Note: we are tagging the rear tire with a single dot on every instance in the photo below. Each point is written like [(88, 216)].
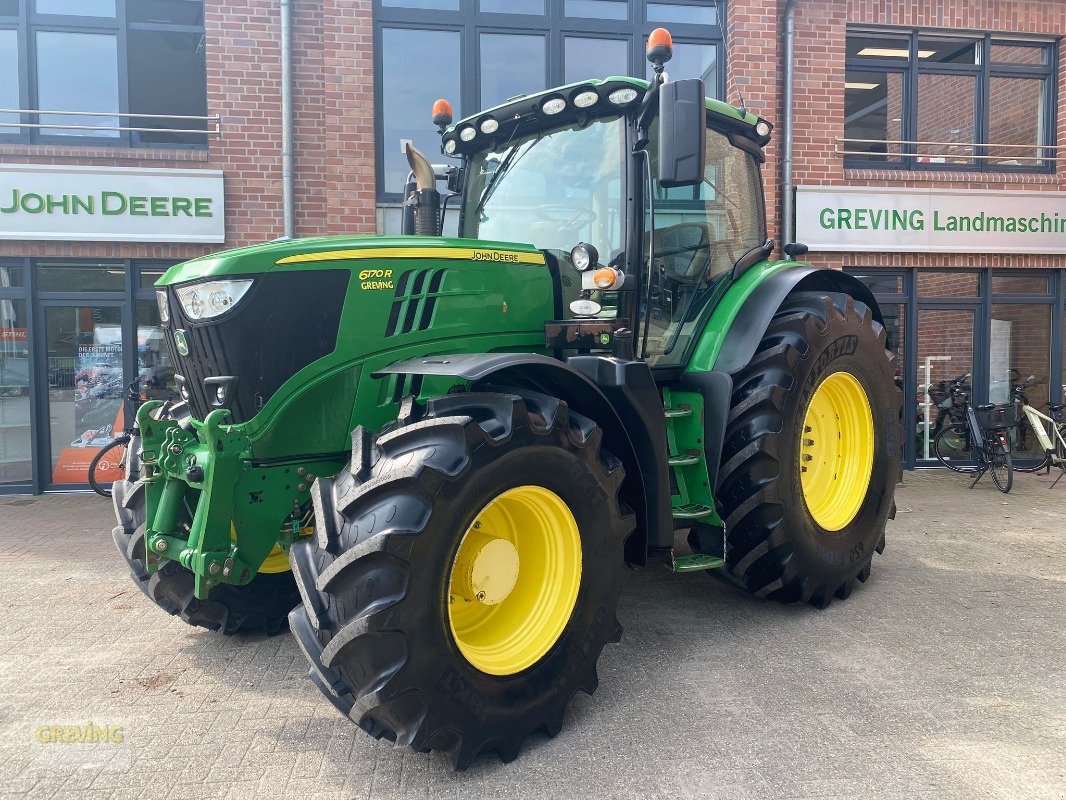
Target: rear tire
[(263, 604), (378, 621), (950, 455), (776, 546), (1001, 468)]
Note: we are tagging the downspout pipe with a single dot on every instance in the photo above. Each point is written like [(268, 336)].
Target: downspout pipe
[(288, 202), (787, 196)]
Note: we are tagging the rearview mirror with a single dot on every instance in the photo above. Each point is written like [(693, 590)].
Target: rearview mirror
[(682, 133)]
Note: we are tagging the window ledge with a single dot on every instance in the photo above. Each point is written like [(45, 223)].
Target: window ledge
[(953, 176), (78, 152)]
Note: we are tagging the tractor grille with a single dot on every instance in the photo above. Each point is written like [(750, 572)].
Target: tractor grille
[(286, 321), (415, 301)]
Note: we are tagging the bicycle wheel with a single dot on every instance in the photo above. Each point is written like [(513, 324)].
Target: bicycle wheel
[(952, 449), (1017, 438), (101, 458), (999, 464)]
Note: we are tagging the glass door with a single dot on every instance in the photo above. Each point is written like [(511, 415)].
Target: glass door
[(83, 367), (945, 348)]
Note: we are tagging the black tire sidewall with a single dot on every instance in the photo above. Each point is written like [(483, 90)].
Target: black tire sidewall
[(843, 345), (466, 692)]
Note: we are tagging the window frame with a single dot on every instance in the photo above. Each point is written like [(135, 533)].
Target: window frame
[(983, 71), (28, 23), (471, 22)]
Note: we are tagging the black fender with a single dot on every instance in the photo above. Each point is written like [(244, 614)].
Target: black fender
[(618, 394), (751, 322)]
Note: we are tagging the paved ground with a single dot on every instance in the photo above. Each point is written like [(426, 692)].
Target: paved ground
[(941, 677)]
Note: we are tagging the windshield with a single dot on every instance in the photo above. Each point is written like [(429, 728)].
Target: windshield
[(551, 190)]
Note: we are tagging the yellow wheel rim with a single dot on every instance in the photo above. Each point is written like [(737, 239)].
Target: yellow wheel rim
[(837, 451), (278, 559), (514, 580)]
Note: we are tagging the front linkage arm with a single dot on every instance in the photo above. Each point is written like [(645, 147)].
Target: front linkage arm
[(208, 470)]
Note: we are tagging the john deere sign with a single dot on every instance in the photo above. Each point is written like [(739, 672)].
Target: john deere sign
[(930, 220), (111, 204)]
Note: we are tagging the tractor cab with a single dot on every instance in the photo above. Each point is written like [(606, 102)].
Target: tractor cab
[(578, 171)]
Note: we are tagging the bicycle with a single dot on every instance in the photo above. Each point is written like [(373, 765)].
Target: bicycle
[(1044, 426), (948, 433), (132, 401), (981, 435)]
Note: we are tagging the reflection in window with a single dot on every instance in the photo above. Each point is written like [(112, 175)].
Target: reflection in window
[(948, 284), (705, 14), (77, 8), (10, 275), (594, 58), (511, 64), (1020, 346), (1018, 54), (598, 9), (172, 12), (693, 60), (168, 58), (873, 114), (9, 87), (881, 282), (441, 5), (513, 6), (155, 372), (15, 435), (946, 116), (1016, 117), (78, 72), (937, 50), (1020, 284), (77, 276), (409, 88)]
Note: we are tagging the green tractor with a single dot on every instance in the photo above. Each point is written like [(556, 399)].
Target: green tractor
[(446, 453)]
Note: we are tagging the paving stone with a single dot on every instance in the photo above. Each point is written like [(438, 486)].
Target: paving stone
[(941, 677)]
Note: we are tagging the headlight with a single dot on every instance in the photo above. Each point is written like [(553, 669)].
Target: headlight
[(206, 300), (164, 306), (584, 256)]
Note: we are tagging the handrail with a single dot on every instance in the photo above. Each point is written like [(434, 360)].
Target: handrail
[(214, 128), (1054, 148)]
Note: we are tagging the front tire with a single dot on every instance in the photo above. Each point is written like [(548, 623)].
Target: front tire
[(263, 604), (1001, 468), (424, 521), (812, 453)]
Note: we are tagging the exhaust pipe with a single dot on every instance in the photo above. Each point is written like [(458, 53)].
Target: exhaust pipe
[(425, 199)]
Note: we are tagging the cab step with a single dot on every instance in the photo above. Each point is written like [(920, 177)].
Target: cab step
[(693, 563), (683, 460), (678, 412), (692, 511)]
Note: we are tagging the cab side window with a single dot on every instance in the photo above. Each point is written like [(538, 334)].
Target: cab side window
[(700, 233)]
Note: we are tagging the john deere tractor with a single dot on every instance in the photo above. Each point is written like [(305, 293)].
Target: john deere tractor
[(445, 453)]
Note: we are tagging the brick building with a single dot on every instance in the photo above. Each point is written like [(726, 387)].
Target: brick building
[(138, 133)]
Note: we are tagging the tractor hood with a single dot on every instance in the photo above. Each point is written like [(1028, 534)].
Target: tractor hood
[(254, 329), (295, 254)]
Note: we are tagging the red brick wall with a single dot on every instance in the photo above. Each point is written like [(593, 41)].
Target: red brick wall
[(334, 129), (756, 46)]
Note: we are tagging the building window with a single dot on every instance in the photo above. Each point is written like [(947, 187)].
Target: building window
[(478, 53), (923, 99), (126, 72)]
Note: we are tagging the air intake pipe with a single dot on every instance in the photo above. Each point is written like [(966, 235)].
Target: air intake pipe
[(425, 199)]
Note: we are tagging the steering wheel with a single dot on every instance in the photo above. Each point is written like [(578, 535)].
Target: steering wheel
[(576, 217)]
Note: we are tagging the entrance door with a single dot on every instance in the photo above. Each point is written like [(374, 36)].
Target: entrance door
[(83, 367)]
